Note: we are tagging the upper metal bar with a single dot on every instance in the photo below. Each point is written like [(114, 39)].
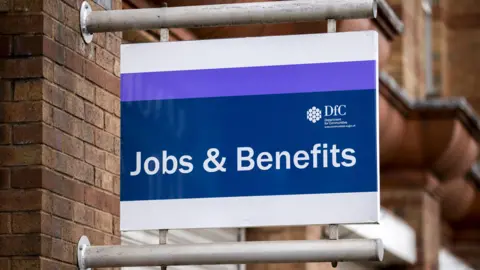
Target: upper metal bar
[(227, 14), (232, 253)]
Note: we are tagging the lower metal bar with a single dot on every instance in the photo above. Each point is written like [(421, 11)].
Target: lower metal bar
[(231, 253)]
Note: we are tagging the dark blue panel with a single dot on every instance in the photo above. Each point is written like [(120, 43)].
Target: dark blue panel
[(265, 123)]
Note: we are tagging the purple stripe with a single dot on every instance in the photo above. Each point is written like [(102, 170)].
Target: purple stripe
[(249, 81)]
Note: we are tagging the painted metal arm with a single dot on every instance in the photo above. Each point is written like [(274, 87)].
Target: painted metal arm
[(222, 15)]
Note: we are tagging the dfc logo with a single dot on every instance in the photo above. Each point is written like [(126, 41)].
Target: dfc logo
[(314, 114)]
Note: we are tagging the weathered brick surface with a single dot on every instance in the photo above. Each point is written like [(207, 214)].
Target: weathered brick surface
[(6, 90), (59, 135), (5, 223), (5, 134), (30, 222), (28, 111), (5, 178), (21, 68)]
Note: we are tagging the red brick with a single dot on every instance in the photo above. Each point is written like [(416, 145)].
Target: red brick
[(74, 105), (94, 115), (20, 200), (5, 134), (102, 78), (62, 207), (83, 214), (86, 90), (104, 140), (62, 250), (31, 222), (116, 146), (20, 155), (28, 133), (48, 69), (72, 17), (88, 134), (73, 3), (48, 264), (116, 67), (104, 59), (74, 61), (105, 100), (63, 142), (116, 184), (27, 177), (26, 263), (53, 50), (59, 161), (30, 90), (47, 113), (101, 200), (112, 84), (49, 25), (95, 156), (116, 226), (6, 90), (65, 78), (21, 24), (66, 230), (5, 45), (67, 123), (86, 50), (65, 35), (5, 263), (104, 180), (113, 44), (54, 8), (100, 39), (5, 178), (5, 223), (28, 45), (95, 237), (27, 5), (40, 177), (84, 172), (21, 68), (112, 124), (53, 94), (20, 111), (103, 221)]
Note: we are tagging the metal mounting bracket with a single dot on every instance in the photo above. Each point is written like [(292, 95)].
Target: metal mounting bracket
[(85, 11), (83, 243)]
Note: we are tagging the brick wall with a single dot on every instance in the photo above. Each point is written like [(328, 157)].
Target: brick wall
[(59, 134), (407, 61), (460, 54)]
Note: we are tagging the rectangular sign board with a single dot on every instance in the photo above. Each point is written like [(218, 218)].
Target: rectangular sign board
[(250, 132)]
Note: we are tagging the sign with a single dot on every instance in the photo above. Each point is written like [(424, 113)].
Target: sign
[(250, 132)]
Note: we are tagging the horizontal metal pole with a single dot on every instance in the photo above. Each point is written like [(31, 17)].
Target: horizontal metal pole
[(228, 14), (231, 253)]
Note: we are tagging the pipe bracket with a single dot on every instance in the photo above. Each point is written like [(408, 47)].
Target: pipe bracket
[(85, 11), (82, 246)]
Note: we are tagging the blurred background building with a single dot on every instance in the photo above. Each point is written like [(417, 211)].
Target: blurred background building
[(60, 128)]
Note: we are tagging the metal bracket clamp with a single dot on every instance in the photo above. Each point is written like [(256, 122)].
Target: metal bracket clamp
[(333, 235), (164, 32), (82, 246), (85, 11), (163, 235)]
